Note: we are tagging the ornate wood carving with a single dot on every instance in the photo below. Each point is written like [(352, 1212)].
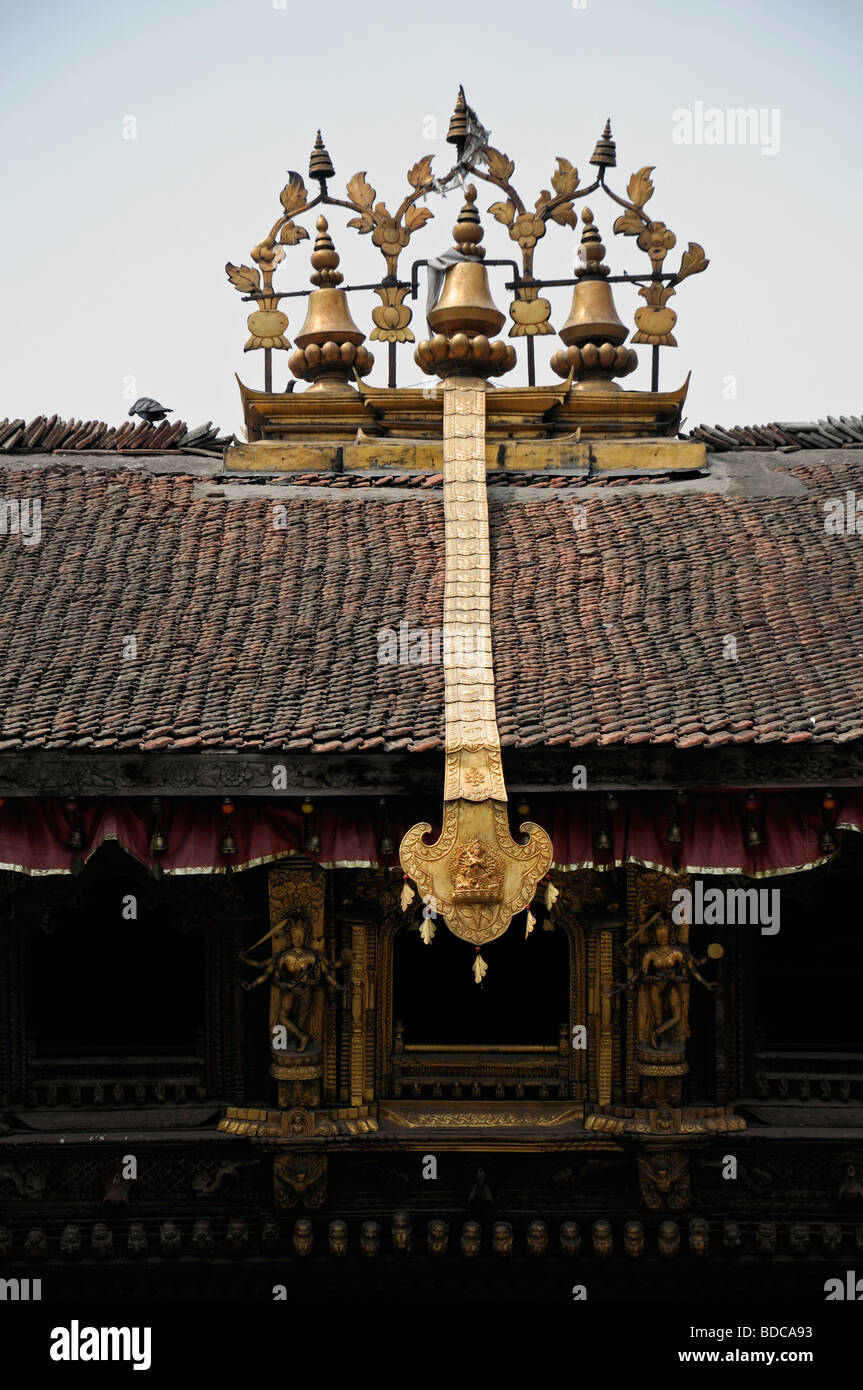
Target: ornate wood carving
[(300, 1180), (663, 1177), (208, 774)]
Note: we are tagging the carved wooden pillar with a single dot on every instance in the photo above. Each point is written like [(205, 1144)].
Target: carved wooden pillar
[(631, 1078), (10, 1063), (606, 1035), (720, 1043), (583, 893), (602, 931), (356, 1014)]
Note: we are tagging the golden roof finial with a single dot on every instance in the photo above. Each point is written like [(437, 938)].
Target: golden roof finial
[(605, 150), (591, 251), (320, 164), (468, 232), (325, 258), (457, 133), (329, 343), (593, 333), (464, 313)]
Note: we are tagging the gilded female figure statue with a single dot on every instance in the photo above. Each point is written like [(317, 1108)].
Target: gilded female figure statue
[(666, 967), (297, 972)]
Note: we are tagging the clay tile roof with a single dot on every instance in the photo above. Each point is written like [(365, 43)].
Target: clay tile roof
[(254, 636), (836, 432), (50, 434)]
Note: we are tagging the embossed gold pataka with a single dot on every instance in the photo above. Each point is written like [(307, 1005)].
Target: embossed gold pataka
[(475, 874)]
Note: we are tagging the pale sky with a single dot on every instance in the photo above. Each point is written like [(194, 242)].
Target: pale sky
[(113, 249)]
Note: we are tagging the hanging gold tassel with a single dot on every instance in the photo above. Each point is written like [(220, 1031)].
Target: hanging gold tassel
[(427, 930), (551, 895), (479, 968), (408, 896), (530, 924)]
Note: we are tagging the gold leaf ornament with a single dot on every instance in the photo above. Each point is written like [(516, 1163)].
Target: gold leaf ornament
[(565, 179), (360, 192), (500, 166), (480, 969), (629, 224), (417, 217), (692, 262), (293, 196), (291, 234), (503, 212), (420, 174), (244, 278), (565, 215), (407, 896), (640, 186)]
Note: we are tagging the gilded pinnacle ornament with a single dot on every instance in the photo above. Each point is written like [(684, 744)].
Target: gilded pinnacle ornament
[(329, 342), (604, 154), (593, 333), (526, 223), (320, 164)]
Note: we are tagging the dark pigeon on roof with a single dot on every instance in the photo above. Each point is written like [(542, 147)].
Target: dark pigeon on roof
[(150, 410)]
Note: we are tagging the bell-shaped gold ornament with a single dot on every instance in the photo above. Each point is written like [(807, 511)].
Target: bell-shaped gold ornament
[(328, 318), (464, 304), (592, 317)]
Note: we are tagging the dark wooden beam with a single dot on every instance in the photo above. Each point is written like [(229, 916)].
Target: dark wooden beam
[(537, 770)]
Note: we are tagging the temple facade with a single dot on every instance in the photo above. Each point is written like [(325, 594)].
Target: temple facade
[(430, 840)]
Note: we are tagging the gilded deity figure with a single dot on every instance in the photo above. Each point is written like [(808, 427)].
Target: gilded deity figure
[(298, 972), (663, 978), (666, 967)]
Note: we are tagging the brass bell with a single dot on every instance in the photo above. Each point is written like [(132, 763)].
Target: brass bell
[(754, 837), (328, 319), (592, 317), (228, 844), (158, 844), (465, 304), (674, 835), (602, 842)]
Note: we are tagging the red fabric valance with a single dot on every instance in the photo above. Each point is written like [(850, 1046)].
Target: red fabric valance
[(35, 832)]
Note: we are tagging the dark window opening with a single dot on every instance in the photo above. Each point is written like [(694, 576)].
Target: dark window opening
[(807, 985), (98, 984), (524, 997)]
